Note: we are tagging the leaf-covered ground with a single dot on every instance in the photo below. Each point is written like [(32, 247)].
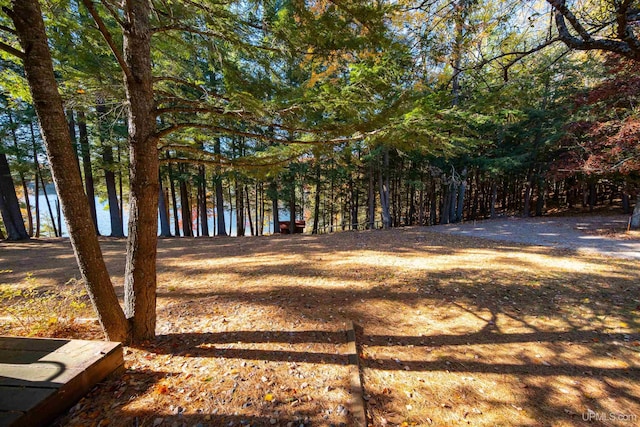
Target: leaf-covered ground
[(451, 331)]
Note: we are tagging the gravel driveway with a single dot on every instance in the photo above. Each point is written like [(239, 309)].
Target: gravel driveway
[(594, 234)]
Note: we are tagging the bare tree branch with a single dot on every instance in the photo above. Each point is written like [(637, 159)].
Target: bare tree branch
[(8, 30), (12, 50), (627, 43), (108, 38), (113, 12)]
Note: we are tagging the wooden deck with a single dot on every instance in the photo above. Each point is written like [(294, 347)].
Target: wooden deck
[(41, 378)]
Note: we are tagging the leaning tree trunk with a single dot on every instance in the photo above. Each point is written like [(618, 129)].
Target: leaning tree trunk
[(89, 186), (27, 19)]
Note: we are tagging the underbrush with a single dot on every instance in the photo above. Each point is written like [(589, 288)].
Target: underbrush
[(28, 309)]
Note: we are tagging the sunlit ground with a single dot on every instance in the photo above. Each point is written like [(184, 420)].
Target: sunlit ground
[(452, 331)]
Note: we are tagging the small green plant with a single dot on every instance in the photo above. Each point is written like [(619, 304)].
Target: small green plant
[(39, 311)]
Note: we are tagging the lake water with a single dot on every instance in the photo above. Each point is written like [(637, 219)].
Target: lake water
[(104, 222)]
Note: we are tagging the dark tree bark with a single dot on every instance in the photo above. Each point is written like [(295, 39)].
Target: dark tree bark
[(204, 218), (140, 271), (71, 123), (185, 205), (292, 206), (27, 19), (89, 186), (541, 196), (462, 192), (174, 200), (273, 189), (240, 230), (23, 181), (372, 198), (494, 197), (316, 206), (112, 192), (222, 226), (384, 190), (11, 215), (163, 211), (246, 191), (37, 177), (109, 164)]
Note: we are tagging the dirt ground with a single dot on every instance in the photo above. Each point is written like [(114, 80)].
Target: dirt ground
[(452, 331)]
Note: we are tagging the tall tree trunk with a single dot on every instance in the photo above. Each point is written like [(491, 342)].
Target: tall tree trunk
[(526, 212), (292, 207), (246, 192), (541, 196), (46, 199), (140, 271), (445, 214), (372, 198), (316, 206), (384, 190), (27, 18), (204, 217), (222, 227), (185, 205), (354, 205), (36, 167), (89, 186), (163, 211), (23, 181), (258, 210), (174, 200), (112, 192), (120, 190), (462, 191), (71, 123), (11, 215), (433, 206), (494, 197), (273, 187), (240, 230)]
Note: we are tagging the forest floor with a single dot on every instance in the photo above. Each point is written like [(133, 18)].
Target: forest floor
[(452, 330)]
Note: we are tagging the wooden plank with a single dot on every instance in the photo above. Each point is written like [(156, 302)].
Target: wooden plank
[(7, 418), (33, 344), (22, 399), (48, 386), (356, 403)]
